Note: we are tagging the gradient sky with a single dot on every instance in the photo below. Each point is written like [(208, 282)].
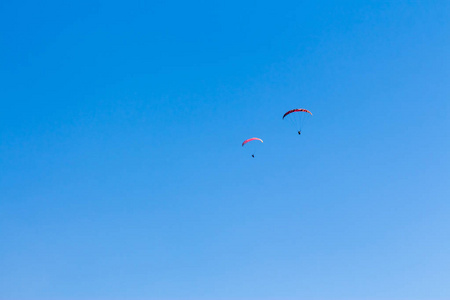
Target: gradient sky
[(122, 174)]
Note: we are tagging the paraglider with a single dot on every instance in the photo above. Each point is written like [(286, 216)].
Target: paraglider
[(297, 117), (253, 143)]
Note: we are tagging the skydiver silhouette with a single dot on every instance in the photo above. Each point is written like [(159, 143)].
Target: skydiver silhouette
[(299, 132), (253, 155)]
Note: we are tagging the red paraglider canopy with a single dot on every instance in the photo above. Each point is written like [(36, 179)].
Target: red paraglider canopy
[(252, 139), (296, 110)]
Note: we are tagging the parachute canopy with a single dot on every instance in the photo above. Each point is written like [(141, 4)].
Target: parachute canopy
[(252, 139), (297, 110)]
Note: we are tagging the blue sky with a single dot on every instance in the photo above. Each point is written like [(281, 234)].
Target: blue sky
[(122, 174)]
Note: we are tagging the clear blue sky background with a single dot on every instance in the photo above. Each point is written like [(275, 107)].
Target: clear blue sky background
[(122, 174)]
